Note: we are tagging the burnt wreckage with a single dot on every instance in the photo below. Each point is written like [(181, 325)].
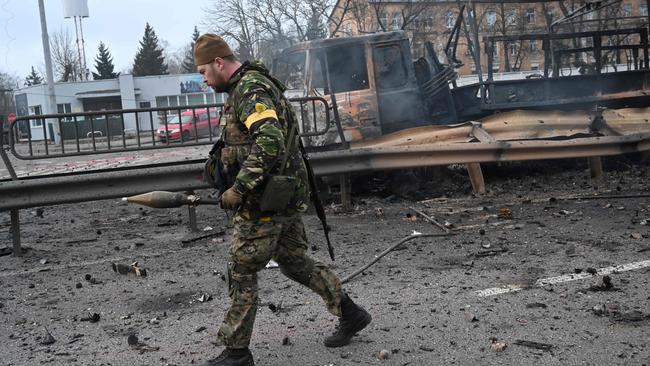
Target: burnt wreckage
[(391, 112)]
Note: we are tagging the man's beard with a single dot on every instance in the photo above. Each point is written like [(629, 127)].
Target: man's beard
[(220, 85)]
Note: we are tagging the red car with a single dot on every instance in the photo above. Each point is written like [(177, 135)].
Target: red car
[(197, 123)]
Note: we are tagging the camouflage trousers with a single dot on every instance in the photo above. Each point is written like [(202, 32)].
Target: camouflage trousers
[(254, 243)]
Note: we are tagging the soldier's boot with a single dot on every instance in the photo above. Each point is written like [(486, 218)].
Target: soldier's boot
[(353, 319), (233, 357)]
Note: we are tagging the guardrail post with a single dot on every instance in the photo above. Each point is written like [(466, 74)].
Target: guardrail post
[(596, 167), (192, 214), (476, 177), (15, 231), (346, 199)]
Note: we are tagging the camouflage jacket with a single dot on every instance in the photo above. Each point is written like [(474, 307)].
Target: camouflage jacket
[(257, 120)]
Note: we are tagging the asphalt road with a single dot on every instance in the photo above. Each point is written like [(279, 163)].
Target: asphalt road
[(524, 263)]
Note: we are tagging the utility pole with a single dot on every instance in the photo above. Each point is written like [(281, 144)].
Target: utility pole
[(51, 105)]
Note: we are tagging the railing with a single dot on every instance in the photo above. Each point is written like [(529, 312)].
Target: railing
[(114, 131)]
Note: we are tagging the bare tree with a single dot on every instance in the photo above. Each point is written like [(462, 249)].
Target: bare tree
[(65, 56), (232, 20), (409, 11)]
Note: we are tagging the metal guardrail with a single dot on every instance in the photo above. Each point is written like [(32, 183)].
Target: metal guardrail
[(22, 192)]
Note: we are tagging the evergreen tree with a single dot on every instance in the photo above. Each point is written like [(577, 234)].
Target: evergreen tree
[(188, 62), (33, 78), (104, 64), (149, 60)]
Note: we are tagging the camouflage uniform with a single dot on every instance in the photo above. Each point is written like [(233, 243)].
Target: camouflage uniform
[(257, 120)]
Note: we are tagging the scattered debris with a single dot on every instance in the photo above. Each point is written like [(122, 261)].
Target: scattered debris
[(504, 213), (48, 338), (426, 348), (186, 241), (410, 217), (286, 341), (125, 269), (200, 329), (155, 320), (43, 261), (207, 228), (469, 317), (132, 340), (592, 271), (490, 252), (93, 318), (534, 305), (204, 298), (384, 354), (636, 236), (606, 285), (432, 219), (272, 264), (388, 250), (536, 345), (613, 311), (497, 345), (379, 212)]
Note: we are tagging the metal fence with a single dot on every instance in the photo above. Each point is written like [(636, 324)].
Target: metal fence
[(113, 131)]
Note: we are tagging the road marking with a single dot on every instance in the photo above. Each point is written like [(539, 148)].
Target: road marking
[(564, 278)]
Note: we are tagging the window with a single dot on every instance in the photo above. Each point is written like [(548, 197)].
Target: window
[(161, 102), (643, 10), (514, 49), (491, 17), (530, 16), (145, 104), (290, 69), (450, 19), (511, 18), (533, 46), (534, 67), (64, 108), (390, 70), (383, 20), (35, 111), (195, 99), (396, 23), (344, 75), (627, 10)]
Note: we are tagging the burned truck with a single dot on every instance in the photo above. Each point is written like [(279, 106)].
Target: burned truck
[(374, 88)]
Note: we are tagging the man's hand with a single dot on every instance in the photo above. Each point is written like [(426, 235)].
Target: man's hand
[(230, 199)]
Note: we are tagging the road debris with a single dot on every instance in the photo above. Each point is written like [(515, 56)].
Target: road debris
[(605, 286), (504, 213), (497, 345), (204, 298), (132, 340), (126, 269), (272, 264), (388, 250), (431, 219), (93, 318), (536, 345), (490, 252), (384, 354), (47, 338), (534, 305)]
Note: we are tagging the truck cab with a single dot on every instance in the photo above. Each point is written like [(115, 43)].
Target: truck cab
[(370, 78)]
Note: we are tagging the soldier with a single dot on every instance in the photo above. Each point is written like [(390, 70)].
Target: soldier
[(258, 120)]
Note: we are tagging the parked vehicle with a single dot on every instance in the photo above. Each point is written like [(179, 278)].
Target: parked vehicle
[(190, 125)]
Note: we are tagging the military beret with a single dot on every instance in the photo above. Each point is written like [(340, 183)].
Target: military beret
[(208, 47)]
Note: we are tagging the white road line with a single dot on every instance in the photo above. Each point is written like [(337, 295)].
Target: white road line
[(564, 278)]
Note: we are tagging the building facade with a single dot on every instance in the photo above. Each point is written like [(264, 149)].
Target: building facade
[(434, 20)]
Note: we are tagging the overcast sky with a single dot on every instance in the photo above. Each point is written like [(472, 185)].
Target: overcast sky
[(118, 23)]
